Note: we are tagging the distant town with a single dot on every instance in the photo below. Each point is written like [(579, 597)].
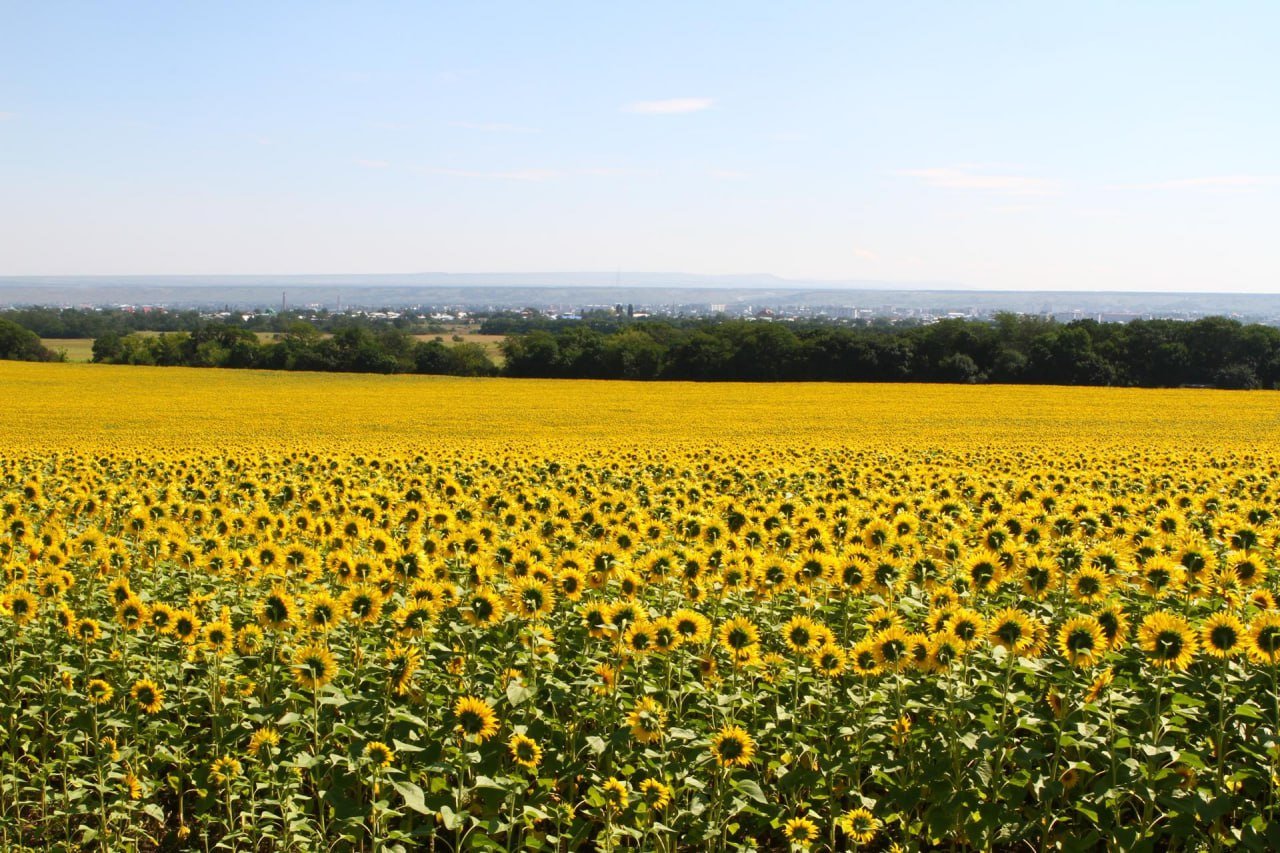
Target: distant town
[(451, 299)]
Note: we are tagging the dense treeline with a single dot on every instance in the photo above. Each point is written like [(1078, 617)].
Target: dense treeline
[(355, 349), (21, 344), (1009, 349), (1213, 351)]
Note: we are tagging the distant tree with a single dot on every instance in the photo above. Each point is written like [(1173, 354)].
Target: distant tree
[(22, 344)]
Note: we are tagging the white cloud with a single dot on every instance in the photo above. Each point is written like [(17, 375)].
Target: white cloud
[(515, 175), (493, 127), (671, 106), (372, 164), (1213, 182), (968, 178), (865, 254)]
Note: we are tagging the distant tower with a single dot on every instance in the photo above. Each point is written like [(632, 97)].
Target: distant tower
[(284, 305)]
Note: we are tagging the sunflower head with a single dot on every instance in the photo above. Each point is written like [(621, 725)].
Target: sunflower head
[(379, 754), (733, 747), (1168, 640), (147, 695), (476, 718), (313, 666), (524, 751), (1081, 641)]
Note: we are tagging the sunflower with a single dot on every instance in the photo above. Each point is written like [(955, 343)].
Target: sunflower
[(362, 604), (1011, 630), (21, 606), (738, 634), (265, 736), (732, 746), (830, 660), (1100, 683), (483, 608), (99, 691), (132, 786), (890, 647), (531, 598), (944, 650), (883, 618), (186, 626), (276, 609), (615, 794), (966, 625), (1168, 639), (162, 618), (1264, 638), (402, 662), (379, 754), (1248, 568), (799, 634), (638, 638), (1161, 576), (1114, 625), (147, 695), (249, 640), (656, 795), (322, 611), (647, 720), (570, 583), (86, 630), (313, 666), (525, 751), (692, 626), (415, 619), (1089, 585), (224, 771), (624, 613), (475, 718), (860, 825), (800, 831), (218, 637), (1081, 641), (131, 613), (665, 636), (1223, 635)]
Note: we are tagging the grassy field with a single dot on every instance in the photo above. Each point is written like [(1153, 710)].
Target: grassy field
[(77, 349), (81, 349), (284, 611)]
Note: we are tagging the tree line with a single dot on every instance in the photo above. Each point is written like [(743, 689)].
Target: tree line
[(354, 349), (1214, 351), (1009, 349)]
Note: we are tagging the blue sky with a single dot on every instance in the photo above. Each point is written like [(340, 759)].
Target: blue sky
[(1073, 145)]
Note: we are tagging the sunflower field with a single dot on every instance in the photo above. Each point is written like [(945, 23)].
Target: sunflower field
[(248, 612)]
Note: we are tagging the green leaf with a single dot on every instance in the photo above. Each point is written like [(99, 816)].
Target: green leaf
[(518, 693), (751, 789), (413, 796)]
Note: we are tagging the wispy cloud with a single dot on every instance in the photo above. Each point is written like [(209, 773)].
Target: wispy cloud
[(727, 175), (865, 254), (1211, 183), (671, 106), (7, 116), (976, 178), (493, 127), (372, 164), (514, 175)]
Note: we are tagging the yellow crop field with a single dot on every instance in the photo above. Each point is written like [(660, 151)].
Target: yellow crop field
[(280, 611)]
